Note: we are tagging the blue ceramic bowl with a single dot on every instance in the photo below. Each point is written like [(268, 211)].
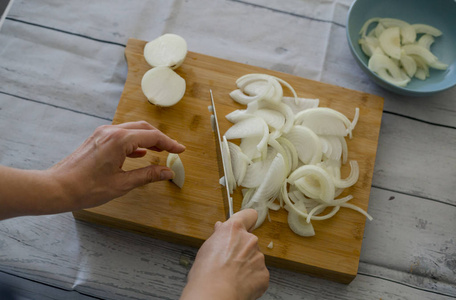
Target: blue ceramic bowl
[(438, 13)]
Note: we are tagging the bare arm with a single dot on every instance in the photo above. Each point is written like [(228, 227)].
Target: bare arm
[(92, 175)]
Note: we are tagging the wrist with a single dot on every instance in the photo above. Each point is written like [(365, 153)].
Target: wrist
[(62, 193), (209, 290)]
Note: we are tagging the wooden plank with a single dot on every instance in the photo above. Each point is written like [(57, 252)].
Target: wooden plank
[(19, 288), (115, 264), (188, 215)]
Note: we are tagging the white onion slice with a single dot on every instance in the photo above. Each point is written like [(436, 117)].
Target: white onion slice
[(250, 127), (390, 41), (291, 150), (300, 104), (280, 149), (272, 181), (306, 143), (331, 146), (256, 170), (324, 121), (270, 89), (238, 115), (239, 162), (162, 86), (273, 118), (358, 209), (226, 156), (392, 22), (168, 50), (408, 34), (298, 224), (326, 185), (174, 162), (426, 29)]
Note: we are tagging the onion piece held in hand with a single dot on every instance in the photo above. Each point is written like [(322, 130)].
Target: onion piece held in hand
[(175, 164), (162, 86)]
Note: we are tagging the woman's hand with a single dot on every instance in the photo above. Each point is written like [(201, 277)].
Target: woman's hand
[(93, 173), (90, 176), (229, 265)]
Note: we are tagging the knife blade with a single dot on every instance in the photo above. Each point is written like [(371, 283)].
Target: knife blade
[(227, 200)]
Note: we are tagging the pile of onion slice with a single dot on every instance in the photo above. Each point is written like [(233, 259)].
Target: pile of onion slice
[(290, 153), (399, 51)]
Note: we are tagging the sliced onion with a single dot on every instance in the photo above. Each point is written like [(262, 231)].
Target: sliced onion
[(390, 41), (306, 143), (426, 29), (168, 50), (291, 150), (326, 185), (282, 143), (324, 121), (272, 182), (273, 118), (331, 146), (298, 224), (300, 104), (239, 162), (249, 147), (398, 57), (162, 86), (250, 127), (280, 149), (226, 156), (256, 170), (174, 162)]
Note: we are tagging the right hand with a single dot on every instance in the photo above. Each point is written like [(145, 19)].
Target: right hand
[(229, 265)]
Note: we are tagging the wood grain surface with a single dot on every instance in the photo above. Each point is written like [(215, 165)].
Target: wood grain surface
[(187, 215)]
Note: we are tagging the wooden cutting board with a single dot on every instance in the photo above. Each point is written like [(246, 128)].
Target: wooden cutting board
[(187, 215)]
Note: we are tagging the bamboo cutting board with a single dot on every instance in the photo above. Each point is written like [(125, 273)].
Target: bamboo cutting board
[(187, 215)]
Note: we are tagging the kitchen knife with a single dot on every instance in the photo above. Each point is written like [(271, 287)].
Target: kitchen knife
[(227, 200)]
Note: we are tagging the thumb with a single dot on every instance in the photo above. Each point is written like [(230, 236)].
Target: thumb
[(142, 176), (217, 225)]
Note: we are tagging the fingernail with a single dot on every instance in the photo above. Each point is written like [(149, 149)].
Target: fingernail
[(166, 175)]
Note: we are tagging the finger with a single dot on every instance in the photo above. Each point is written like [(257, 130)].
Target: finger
[(136, 125), (138, 153), (155, 139), (217, 225), (142, 176), (247, 217)]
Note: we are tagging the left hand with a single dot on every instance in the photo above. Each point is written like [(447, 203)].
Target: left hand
[(92, 175)]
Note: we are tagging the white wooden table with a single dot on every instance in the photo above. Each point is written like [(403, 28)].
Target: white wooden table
[(62, 70)]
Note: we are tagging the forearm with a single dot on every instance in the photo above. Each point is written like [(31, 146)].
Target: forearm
[(29, 192), (208, 291)]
